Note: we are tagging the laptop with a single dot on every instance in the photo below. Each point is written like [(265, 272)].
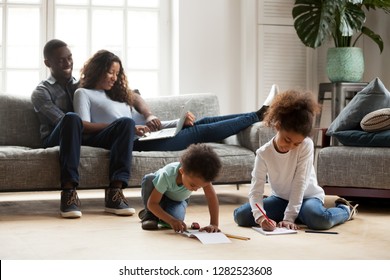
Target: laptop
[(168, 132)]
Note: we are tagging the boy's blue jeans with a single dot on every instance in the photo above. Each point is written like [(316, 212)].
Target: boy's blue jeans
[(176, 209), (117, 137), (313, 213)]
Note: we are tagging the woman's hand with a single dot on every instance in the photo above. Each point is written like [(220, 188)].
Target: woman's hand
[(287, 224), (210, 228), (190, 119), (265, 224), (140, 130), (153, 123)]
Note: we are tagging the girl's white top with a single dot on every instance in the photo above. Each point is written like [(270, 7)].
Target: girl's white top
[(291, 176)]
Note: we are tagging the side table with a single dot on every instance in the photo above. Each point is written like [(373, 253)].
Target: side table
[(340, 94)]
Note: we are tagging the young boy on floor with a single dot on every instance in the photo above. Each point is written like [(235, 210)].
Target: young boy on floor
[(166, 192)]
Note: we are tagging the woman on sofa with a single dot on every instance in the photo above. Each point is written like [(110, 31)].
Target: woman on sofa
[(103, 97)]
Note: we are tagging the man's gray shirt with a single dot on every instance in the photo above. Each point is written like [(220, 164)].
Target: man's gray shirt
[(51, 101)]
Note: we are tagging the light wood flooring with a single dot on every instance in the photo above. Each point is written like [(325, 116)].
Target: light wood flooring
[(31, 229)]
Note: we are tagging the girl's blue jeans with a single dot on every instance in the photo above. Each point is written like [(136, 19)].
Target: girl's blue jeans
[(174, 208), (313, 213)]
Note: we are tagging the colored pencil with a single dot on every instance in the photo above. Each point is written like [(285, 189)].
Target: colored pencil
[(261, 210), (237, 236), (325, 232)]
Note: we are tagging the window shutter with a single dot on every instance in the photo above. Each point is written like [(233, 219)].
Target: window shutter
[(282, 58)]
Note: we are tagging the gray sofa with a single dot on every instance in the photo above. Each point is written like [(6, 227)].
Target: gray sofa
[(357, 163), (354, 171), (26, 166)]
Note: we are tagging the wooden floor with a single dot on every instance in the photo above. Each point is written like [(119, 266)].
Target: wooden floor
[(31, 229)]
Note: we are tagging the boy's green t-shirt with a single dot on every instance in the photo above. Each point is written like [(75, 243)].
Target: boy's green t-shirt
[(165, 183)]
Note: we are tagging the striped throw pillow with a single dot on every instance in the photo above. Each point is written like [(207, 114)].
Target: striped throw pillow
[(376, 121)]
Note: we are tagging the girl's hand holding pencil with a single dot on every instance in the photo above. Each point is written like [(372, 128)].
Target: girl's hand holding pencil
[(266, 223)]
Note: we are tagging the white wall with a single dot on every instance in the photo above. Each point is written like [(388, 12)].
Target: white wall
[(377, 64), (209, 51), (208, 47)]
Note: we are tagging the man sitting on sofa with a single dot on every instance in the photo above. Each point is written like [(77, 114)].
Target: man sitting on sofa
[(60, 126)]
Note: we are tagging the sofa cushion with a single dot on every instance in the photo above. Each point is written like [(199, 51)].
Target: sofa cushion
[(237, 163), (373, 97), (376, 121), (19, 124), (24, 166), (363, 138), (26, 169), (169, 107), (364, 167)]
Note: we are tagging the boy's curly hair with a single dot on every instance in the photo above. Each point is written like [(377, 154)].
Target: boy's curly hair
[(294, 111), (201, 160)]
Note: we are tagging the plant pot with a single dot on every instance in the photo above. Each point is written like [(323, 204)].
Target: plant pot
[(345, 64)]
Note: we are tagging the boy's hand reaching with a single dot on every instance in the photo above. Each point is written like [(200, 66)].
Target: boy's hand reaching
[(178, 226), (210, 228)]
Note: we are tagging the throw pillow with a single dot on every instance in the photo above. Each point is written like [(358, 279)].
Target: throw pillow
[(376, 121), (373, 97), (363, 138)]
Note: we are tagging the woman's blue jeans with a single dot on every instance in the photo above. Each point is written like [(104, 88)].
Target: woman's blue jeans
[(313, 213), (117, 137), (174, 208), (208, 129)]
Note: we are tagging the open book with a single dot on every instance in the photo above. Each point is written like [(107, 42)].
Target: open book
[(207, 237), (276, 231)]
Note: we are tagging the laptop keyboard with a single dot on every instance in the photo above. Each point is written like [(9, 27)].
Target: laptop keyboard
[(165, 132)]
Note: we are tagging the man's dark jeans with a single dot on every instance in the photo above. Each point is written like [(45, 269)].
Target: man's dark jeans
[(117, 137)]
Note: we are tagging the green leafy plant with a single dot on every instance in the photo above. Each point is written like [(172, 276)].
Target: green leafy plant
[(341, 20)]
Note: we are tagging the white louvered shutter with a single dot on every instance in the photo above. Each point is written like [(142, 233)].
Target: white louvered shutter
[(282, 57)]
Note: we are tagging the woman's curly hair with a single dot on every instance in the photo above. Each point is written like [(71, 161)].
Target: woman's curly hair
[(97, 67), (293, 111)]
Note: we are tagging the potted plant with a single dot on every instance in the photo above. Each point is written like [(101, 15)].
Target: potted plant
[(316, 21)]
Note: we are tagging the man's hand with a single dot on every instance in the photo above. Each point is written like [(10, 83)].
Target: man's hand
[(140, 130)]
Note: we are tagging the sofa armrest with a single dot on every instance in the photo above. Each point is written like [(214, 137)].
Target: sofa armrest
[(255, 136)]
